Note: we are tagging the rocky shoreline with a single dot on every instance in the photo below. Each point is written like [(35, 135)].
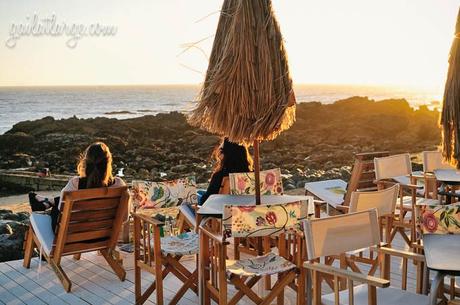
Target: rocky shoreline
[(320, 145)]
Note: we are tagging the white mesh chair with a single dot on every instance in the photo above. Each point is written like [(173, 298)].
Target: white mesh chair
[(384, 201), (340, 234), (398, 169)]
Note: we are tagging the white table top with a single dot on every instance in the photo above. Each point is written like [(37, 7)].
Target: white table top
[(331, 191), (441, 252), (214, 205), (447, 175)]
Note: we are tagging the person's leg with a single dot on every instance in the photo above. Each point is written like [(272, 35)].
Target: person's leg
[(55, 214)]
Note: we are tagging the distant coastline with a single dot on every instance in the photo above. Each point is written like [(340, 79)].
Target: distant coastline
[(320, 145), (30, 103)]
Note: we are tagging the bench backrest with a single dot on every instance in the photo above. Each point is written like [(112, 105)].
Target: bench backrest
[(90, 219)]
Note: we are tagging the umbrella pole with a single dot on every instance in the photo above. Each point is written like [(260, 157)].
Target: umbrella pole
[(257, 170)]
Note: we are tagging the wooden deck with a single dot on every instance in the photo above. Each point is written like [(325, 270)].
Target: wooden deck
[(94, 283)]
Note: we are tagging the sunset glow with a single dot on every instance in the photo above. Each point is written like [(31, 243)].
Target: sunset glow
[(396, 42)]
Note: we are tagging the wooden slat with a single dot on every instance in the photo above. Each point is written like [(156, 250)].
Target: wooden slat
[(366, 184), (94, 193), (84, 247), (367, 165), (91, 205), (90, 226), (78, 237), (93, 215)]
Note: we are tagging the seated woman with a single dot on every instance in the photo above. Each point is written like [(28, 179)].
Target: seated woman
[(94, 171), (230, 158)]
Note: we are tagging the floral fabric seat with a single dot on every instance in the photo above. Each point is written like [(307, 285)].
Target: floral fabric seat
[(180, 245), (258, 266), (440, 219)]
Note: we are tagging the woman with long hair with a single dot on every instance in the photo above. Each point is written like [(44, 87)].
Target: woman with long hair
[(94, 170), (229, 158)]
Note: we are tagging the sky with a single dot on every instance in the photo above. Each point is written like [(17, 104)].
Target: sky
[(372, 42)]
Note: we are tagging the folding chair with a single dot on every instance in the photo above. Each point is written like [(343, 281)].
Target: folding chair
[(281, 221), (161, 256), (165, 198), (438, 219), (244, 184), (339, 234), (398, 169), (384, 201), (90, 220)]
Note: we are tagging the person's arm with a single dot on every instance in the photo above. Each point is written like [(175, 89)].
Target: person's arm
[(72, 185), (214, 186)]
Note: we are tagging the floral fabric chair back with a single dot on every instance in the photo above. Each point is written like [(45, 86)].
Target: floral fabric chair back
[(166, 194), (439, 219), (244, 183), (263, 220)]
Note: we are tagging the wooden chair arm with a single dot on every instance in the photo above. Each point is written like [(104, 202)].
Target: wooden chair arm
[(343, 208), (148, 219), (410, 186), (214, 236), (401, 253), (385, 183), (354, 276)]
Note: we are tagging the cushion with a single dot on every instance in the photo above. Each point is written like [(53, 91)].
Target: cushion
[(260, 265), (385, 296), (189, 213), (182, 244), (41, 224)]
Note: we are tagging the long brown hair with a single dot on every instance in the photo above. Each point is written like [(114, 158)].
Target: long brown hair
[(95, 165), (232, 157)]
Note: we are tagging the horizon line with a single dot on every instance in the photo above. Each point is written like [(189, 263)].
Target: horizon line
[(200, 84)]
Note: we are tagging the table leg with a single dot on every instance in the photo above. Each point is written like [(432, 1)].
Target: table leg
[(438, 279)]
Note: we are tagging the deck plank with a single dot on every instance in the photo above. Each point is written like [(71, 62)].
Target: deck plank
[(93, 282)]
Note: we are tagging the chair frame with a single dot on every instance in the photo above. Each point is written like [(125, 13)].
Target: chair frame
[(92, 207), (150, 258), (317, 272), (213, 256)]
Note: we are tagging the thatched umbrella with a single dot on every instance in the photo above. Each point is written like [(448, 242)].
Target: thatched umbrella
[(247, 95), (450, 117)]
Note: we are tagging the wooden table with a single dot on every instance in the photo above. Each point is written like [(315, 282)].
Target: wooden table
[(442, 255), (449, 178)]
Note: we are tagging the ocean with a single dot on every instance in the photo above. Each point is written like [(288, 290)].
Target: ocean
[(30, 103)]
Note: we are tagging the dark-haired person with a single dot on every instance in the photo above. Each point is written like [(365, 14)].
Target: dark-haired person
[(94, 171), (230, 158)]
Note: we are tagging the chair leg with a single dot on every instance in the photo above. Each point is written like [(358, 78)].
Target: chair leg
[(61, 275), (29, 248), (77, 256), (116, 267)]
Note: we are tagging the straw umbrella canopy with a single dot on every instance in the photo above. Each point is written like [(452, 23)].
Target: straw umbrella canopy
[(247, 94), (450, 117)]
